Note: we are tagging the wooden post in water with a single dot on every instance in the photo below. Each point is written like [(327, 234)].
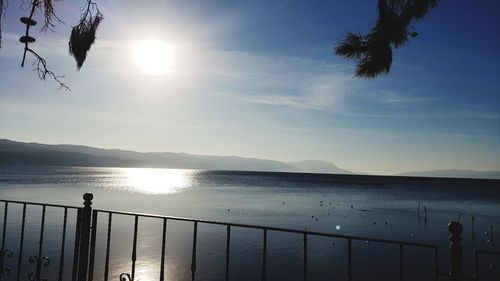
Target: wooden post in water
[(472, 227), (455, 229), (491, 235), (83, 257)]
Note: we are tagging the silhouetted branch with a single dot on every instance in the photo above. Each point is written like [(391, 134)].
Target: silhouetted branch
[(2, 9), (49, 15), (82, 35), (27, 38), (373, 51), (43, 71), (41, 64)]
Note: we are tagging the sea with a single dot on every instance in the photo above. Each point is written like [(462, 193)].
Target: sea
[(395, 208)]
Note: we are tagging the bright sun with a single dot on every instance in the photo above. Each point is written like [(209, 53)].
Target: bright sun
[(153, 56)]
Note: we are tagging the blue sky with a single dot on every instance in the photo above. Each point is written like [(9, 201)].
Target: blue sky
[(260, 79)]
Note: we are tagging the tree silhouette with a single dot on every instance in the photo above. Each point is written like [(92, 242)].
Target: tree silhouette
[(81, 39), (373, 51)]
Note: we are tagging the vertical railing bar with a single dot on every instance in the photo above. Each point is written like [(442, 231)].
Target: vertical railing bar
[(305, 256), (77, 243), (108, 241), (228, 249), (4, 227), (63, 244), (476, 265), (264, 256), (90, 277), (40, 246), (349, 259), (21, 244), (4, 232), (436, 265), (163, 246), (193, 258), (134, 249), (401, 262)]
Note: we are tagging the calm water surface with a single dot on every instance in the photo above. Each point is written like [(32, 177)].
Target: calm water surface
[(378, 207)]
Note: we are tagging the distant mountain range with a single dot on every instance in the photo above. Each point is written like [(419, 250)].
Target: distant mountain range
[(21, 153)]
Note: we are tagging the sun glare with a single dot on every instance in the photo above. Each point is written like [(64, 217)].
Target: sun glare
[(158, 181), (153, 56)]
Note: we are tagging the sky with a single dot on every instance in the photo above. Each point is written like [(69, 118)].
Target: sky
[(260, 79)]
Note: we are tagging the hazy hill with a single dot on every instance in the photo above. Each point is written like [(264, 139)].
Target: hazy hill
[(455, 174), (20, 153)]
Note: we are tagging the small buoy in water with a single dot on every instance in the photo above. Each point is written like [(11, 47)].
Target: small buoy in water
[(312, 217), (283, 202), (333, 243), (351, 206), (367, 242), (328, 213), (337, 227), (374, 222), (228, 210), (316, 218), (385, 223), (412, 235)]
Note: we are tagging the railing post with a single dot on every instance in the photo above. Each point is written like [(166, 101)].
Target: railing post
[(455, 229), (83, 257)]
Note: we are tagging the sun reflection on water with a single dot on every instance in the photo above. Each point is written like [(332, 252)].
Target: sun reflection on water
[(158, 181)]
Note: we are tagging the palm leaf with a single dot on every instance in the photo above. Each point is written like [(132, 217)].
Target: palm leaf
[(351, 47)]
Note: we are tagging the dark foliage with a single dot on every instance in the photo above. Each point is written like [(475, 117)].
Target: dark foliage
[(82, 37), (373, 51)]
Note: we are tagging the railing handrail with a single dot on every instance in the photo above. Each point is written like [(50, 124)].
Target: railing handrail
[(272, 228), (243, 225), (39, 204)]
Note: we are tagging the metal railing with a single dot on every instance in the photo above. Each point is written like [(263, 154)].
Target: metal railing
[(86, 235), (38, 260)]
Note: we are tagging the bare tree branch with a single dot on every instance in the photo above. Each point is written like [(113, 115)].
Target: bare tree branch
[(40, 63), (2, 9), (34, 5), (43, 71), (49, 15)]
